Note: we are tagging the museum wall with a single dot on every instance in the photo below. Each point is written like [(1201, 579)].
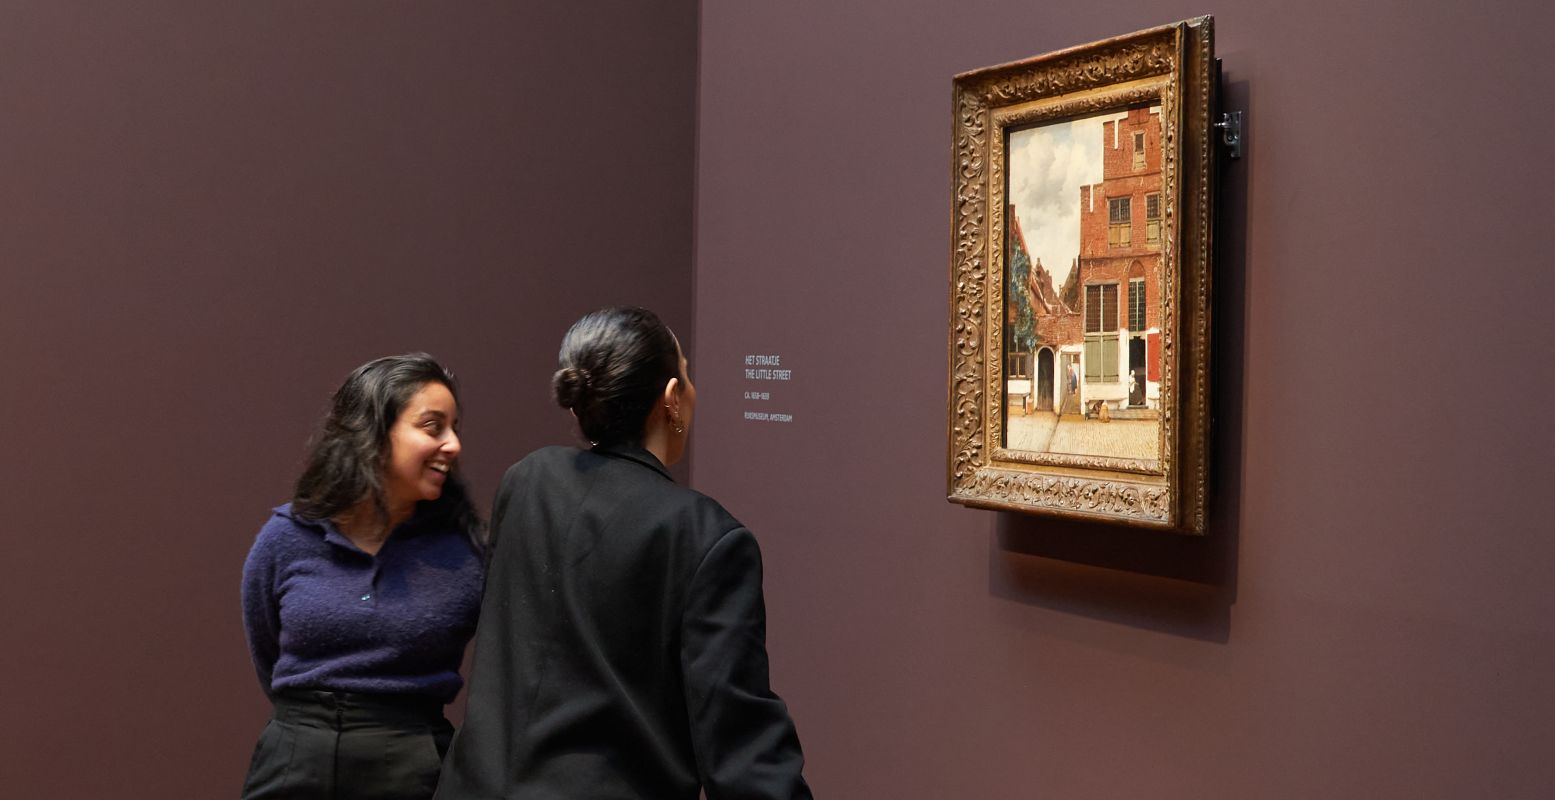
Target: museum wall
[(1370, 615), (211, 212)]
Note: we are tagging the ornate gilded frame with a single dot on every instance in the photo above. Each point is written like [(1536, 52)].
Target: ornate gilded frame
[(1172, 66)]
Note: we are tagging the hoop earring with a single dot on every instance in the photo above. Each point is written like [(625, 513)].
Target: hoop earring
[(674, 421)]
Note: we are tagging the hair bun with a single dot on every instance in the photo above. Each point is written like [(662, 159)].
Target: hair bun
[(571, 386)]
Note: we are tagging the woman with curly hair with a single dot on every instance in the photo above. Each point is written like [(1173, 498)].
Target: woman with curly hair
[(360, 595)]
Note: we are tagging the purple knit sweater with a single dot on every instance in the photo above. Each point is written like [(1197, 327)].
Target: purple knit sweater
[(323, 614)]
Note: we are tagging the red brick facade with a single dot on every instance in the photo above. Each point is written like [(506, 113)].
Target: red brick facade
[(1122, 230), (1102, 261)]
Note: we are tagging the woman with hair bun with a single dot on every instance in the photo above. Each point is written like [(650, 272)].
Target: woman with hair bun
[(622, 645), (360, 595)]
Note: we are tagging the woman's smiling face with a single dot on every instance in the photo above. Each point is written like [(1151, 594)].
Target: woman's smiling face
[(423, 446)]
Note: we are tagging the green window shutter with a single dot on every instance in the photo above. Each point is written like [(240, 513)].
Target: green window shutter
[(1101, 358)]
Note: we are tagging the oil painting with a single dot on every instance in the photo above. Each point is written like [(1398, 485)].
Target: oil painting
[(1080, 266)]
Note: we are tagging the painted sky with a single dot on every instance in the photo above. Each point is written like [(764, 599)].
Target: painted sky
[(1048, 165)]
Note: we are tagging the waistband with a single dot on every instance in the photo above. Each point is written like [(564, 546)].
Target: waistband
[(345, 709)]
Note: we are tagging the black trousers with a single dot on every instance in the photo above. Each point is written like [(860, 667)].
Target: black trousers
[(341, 746)]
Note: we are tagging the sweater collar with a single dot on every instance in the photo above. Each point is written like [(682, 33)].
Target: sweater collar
[(332, 534), (636, 454)]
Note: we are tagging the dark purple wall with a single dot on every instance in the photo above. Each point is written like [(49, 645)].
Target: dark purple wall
[(209, 213), (1371, 615)]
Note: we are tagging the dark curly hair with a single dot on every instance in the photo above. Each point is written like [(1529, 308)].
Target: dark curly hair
[(348, 455), (614, 364)]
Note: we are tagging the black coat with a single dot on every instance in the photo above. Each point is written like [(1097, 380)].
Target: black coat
[(621, 651)]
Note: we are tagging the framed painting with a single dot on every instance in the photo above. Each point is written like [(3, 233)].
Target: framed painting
[(1080, 281)]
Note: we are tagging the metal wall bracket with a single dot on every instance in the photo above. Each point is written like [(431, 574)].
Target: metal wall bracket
[(1230, 126)]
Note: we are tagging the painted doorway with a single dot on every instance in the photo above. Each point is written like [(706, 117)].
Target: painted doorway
[(1136, 371), (1069, 384), (1045, 379)]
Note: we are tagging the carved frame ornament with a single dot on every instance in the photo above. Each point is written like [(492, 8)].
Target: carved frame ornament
[(1172, 70)]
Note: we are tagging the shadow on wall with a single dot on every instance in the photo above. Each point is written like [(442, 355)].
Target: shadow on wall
[(1180, 585)]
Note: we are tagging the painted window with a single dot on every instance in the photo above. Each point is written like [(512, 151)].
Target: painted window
[(1136, 304), (1101, 307), (1119, 230), (1101, 333), (1153, 218), (1139, 150), (1019, 365)]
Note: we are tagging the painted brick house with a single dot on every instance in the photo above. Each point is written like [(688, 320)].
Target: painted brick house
[(1098, 336), (1054, 324), (1119, 270)]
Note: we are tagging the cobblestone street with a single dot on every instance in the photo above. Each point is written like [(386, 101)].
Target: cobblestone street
[(1043, 432)]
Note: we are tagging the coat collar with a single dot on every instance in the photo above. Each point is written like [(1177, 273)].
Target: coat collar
[(634, 453)]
